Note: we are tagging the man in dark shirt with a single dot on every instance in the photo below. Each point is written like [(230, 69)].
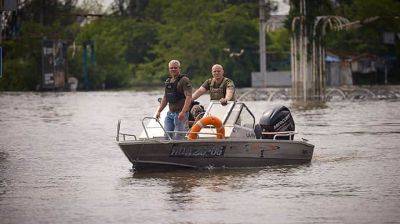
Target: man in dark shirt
[(220, 87), (178, 96)]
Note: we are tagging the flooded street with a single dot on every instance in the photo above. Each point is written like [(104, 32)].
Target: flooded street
[(59, 163)]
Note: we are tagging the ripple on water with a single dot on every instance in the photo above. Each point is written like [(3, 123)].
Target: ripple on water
[(59, 164)]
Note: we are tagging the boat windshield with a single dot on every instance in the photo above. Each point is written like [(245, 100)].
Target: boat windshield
[(216, 109), (234, 113), (231, 114)]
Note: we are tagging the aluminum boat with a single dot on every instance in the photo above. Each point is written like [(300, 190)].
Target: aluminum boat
[(243, 144)]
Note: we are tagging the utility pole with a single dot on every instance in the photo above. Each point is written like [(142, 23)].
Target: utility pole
[(1, 26), (263, 58), (1, 40)]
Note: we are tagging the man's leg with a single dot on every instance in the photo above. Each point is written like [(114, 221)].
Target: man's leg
[(181, 126), (169, 124)]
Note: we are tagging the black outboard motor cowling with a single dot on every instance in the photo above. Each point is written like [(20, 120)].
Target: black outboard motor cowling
[(279, 119)]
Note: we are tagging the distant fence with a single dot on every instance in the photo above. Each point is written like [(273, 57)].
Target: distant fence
[(332, 94), (274, 79)]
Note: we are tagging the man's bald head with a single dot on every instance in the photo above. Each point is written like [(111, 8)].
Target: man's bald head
[(217, 72)]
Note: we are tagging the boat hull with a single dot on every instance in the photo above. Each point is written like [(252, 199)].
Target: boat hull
[(153, 154)]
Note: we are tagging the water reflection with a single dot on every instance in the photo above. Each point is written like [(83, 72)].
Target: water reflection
[(308, 105), (3, 167), (186, 187)]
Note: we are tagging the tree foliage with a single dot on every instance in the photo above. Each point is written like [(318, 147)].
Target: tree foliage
[(134, 43), (372, 18), (36, 20), (368, 37)]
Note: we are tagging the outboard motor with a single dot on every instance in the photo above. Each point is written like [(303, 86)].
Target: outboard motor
[(279, 119)]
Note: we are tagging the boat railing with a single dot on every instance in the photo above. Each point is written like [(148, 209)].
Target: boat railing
[(281, 134), (147, 132), (158, 121), (119, 133), (167, 133)]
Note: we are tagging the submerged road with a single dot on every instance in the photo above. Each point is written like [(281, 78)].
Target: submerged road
[(59, 164)]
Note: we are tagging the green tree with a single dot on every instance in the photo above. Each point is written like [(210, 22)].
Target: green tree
[(197, 34), (36, 20), (368, 37), (120, 45)]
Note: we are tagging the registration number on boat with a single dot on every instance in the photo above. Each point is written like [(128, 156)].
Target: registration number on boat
[(199, 151)]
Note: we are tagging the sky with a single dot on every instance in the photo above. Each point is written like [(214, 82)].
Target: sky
[(283, 7), (106, 3)]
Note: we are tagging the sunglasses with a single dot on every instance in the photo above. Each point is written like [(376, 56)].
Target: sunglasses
[(173, 67)]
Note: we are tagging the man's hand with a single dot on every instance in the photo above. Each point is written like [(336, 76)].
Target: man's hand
[(181, 116), (158, 115), (223, 101)]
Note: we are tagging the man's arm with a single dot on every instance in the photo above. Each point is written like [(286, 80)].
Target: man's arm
[(228, 96), (229, 93), (186, 106), (200, 91), (163, 104)]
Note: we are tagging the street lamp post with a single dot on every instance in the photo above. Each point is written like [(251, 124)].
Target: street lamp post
[(263, 59)]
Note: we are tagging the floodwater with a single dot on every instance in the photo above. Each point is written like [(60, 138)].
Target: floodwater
[(59, 163)]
